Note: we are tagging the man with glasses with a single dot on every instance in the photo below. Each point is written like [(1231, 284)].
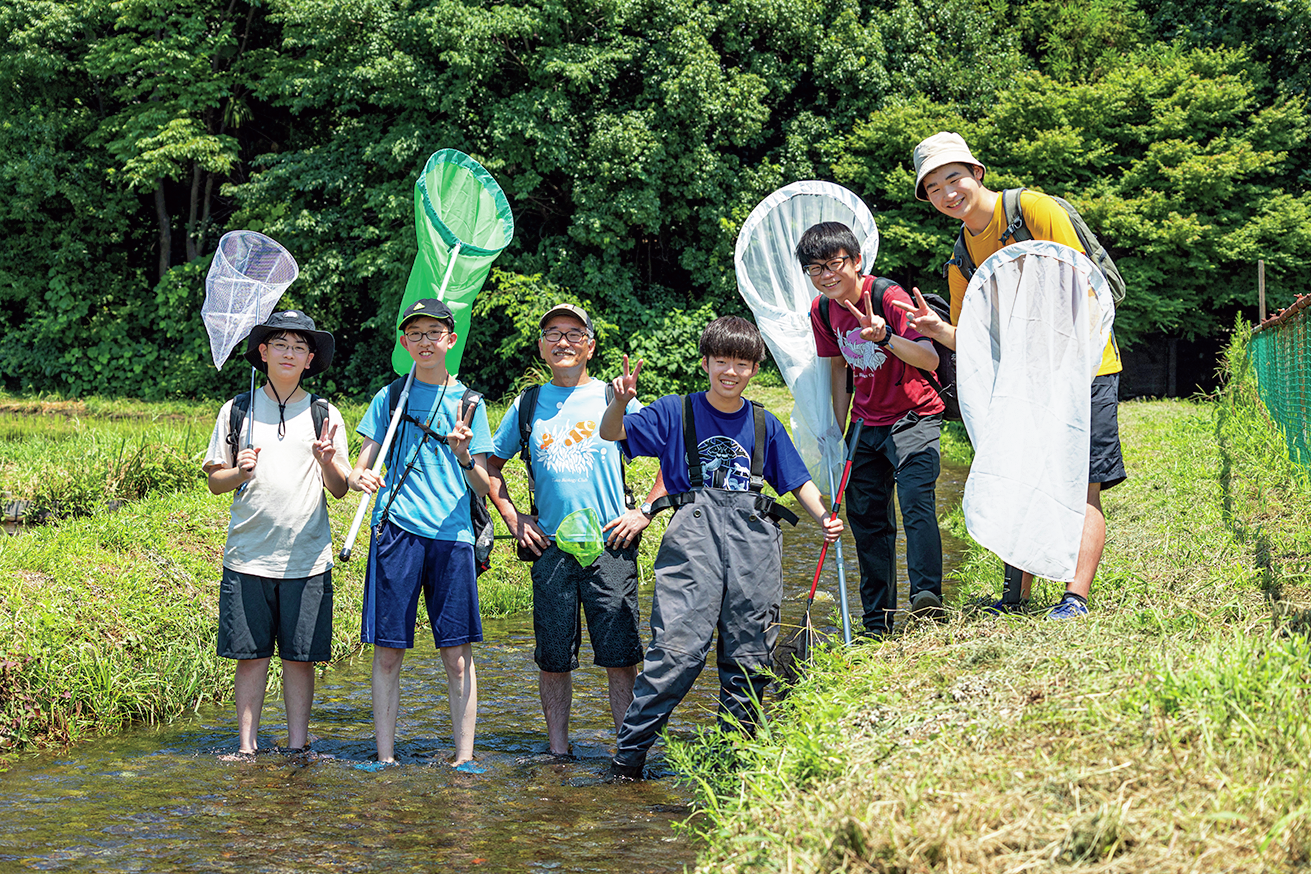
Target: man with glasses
[(878, 364), (570, 468)]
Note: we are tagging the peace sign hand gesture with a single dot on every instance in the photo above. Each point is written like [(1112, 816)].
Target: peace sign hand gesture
[(324, 450), (923, 319), (872, 328), (461, 435), (626, 386)]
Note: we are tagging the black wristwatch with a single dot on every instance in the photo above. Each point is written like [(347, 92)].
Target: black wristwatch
[(887, 338), (463, 466), (646, 509)]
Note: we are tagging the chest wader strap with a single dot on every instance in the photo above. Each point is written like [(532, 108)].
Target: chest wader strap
[(765, 505)]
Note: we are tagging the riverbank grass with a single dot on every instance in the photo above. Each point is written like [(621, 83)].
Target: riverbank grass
[(1166, 732)]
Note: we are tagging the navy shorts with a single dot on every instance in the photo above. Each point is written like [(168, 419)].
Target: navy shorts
[(1105, 462), (607, 591), (255, 611), (401, 565)]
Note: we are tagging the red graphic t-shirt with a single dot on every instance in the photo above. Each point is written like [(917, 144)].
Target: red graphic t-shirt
[(887, 388)]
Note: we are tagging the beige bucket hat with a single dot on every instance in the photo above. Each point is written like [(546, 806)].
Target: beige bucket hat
[(939, 149)]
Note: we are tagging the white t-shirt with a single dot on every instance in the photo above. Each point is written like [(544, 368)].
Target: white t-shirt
[(279, 524)]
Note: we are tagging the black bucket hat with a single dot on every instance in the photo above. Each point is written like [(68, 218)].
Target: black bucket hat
[(291, 320)]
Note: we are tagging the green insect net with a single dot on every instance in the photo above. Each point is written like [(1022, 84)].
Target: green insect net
[(463, 222), (1280, 352)]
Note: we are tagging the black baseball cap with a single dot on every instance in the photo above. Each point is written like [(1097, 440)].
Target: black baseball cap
[(430, 307)]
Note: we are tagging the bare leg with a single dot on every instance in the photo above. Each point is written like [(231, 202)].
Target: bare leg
[(1091, 545), (248, 687), (298, 696), (386, 698), (462, 689), (557, 692), (621, 691)]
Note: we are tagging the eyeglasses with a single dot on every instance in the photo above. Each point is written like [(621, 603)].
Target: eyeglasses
[(418, 336), (277, 347), (828, 266), (573, 335)]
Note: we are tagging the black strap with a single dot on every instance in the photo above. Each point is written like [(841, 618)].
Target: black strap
[(765, 505), (1016, 229), (241, 408), (691, 450)]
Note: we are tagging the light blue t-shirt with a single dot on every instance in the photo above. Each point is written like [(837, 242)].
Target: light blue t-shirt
[(434, 499), (573, 468)]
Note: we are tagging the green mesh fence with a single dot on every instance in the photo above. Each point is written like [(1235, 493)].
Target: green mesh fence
[(1280, 352)]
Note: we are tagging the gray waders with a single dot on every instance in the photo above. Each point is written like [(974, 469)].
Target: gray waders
[(719, 568)]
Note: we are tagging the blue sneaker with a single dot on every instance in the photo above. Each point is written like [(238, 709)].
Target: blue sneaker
[(1068, 608), (1001, 608)]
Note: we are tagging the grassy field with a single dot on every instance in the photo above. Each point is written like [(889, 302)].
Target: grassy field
[(108, 616), (1166, 732)]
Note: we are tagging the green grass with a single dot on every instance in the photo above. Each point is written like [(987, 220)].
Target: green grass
[(1167, 732), (108, 617)]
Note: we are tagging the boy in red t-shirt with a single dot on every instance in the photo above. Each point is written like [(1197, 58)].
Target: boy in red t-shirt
[(902, 415)]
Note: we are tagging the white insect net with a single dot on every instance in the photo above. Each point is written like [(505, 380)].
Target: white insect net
[(1034, 322), (779, 292), (249, 274)]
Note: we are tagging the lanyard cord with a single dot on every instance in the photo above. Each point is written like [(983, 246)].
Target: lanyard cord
[(423, 438)]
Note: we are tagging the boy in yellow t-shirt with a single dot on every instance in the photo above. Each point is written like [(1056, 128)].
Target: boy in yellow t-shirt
[(950, 178)]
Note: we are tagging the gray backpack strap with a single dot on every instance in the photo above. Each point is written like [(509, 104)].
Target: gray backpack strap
[(960, 256), (1016, 230)]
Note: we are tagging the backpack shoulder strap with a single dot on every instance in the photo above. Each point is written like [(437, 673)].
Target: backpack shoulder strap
[(469, 400), (318, 413), (237, 421), (527, 414), (960, 256), (394, 393), (1016, 230), (824, 315), (758, 449), (690, 452)]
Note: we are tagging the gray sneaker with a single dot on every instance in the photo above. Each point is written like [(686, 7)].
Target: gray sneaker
[(925, 605)]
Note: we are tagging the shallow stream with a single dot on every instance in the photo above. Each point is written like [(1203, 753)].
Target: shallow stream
[(160, 799)]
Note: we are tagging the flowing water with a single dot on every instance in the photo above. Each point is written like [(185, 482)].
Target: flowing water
[(160, 799)]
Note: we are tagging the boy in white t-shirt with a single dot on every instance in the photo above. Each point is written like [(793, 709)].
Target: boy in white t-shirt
[(277, 563)]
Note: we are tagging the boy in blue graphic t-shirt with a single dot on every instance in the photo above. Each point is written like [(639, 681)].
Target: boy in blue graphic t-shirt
[(423, 538), (720, 561)]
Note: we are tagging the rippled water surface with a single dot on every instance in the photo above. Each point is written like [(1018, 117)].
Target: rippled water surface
[(161, 799)]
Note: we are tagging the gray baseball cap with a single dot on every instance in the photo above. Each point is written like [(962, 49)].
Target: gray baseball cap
[(939, 149), (568, 309)]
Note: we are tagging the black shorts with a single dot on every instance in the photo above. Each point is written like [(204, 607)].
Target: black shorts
[(1105, 462), (607, 592), (254, 612)]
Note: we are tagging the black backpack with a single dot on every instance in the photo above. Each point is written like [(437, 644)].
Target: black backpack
[(484, 533), (241, 407), (527, 415), (943, 380), (1017, 231)]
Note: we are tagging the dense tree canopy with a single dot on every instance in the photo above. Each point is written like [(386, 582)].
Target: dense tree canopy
[(632, 137)]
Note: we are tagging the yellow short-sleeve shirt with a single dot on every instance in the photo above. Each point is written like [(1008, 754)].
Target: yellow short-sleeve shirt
[(1046, 221)]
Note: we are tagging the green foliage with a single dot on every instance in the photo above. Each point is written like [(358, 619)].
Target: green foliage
[(1172, 159), (631, 138)]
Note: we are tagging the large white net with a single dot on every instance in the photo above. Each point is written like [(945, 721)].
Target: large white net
[(779, 292), (1034, 322), (247, 277)]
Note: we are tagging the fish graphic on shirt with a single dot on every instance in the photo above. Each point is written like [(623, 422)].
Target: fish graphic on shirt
[(569, 449)]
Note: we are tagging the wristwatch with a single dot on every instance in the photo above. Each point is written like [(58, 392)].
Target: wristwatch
[(887, 338), (646, 509), (464, 466)]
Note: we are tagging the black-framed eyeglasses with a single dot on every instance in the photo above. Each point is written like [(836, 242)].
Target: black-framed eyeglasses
[(573, 335), (418, 336), (828, 266)]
